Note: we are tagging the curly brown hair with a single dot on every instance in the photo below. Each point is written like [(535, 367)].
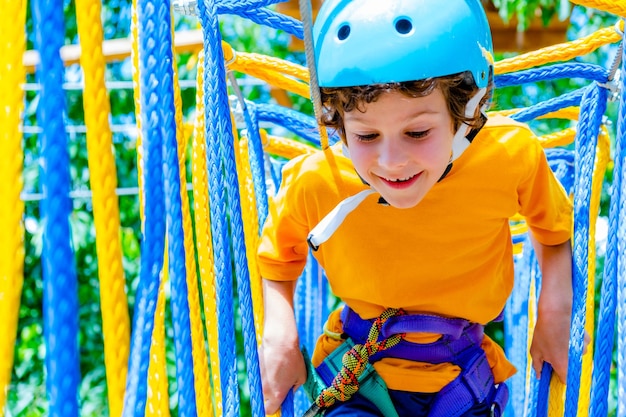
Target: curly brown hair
[(457, 89)]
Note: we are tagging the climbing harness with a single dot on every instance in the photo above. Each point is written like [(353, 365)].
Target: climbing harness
[(349, 367)]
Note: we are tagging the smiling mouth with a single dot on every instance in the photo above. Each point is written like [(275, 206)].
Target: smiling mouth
[(400, 179)]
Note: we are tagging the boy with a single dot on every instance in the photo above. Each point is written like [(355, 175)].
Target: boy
[(419, 199)]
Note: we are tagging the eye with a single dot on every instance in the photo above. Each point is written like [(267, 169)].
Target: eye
[(366, 138), (418, 135)]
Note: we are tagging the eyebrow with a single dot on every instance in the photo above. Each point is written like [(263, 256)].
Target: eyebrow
[(358, 117)]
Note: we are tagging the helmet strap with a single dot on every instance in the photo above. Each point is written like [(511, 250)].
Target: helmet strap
[(460, 142)]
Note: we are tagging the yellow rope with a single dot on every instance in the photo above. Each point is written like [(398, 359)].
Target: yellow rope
[(12, 76), (283, 147), (103, 178), (157, 404), (279, 73), (601, 163), (204, 245), (617, 7), (560, 52), (157, 399), (204, 402), (251, 228)]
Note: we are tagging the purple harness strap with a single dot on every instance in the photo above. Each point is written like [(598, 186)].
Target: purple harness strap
[(457, 336), (459, 345)]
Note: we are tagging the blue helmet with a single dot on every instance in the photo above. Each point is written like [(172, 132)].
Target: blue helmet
[(360, 42)]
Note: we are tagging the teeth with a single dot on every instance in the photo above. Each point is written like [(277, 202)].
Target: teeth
[(399, 179)]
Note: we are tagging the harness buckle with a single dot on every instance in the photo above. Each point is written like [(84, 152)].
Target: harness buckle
[(477, 376)]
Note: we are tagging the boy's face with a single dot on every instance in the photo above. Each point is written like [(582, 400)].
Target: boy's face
[(401, 145)]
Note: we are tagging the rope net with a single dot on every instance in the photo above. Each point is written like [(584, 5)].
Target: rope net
[(202, 180)]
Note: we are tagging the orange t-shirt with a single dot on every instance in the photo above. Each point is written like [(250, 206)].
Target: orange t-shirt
[(451, 255)]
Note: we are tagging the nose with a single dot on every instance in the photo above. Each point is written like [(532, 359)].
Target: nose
[(392, 153)]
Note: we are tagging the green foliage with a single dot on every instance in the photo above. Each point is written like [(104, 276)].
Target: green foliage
[(526, 11)]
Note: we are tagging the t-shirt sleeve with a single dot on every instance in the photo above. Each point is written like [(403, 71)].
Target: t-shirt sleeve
[(543, 200), (283, 250)]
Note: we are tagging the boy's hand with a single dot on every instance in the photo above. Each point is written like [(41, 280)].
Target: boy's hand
[(282, 369), (551, 341)]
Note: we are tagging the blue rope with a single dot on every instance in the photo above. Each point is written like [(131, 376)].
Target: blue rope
[(60, 295), (619, 184), (153, 243), (294, 121), (218, 127), (544, 390), (566, 100), (272, 19), (257, 161), (605, 328), (236, 6), (554, 72), (183, 344), (516, 325), (592, 109)]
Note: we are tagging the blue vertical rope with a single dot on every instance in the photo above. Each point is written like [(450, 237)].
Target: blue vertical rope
[(60, 299), (218, 126), (516, 327), (153, 243), (592, 109), (242, 273), (605, 329), (183, 344), (257, 161), (619, 184)]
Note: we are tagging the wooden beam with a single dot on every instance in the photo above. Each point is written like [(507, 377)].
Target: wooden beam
[(117, 49)]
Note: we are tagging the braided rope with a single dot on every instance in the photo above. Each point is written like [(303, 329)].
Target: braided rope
[(560, 52), (274, 20), (617, 7), (284, 147), (200, 359), (157, 397), (554, 72), (315, 93), (153, 243), (217, 121), (302, 125), (600, 166), (60, 303), (592, 109), (346, 382), (620, 189), (157, 403), (604, 342), (103, 179), (12, 75), (183, 345), (250, 229), (204, 246), (248, 62)]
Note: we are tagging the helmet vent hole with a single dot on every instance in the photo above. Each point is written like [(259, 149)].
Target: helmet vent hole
[(344, 32), (404, 26)]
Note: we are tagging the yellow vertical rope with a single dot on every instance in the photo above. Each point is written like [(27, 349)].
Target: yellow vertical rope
[(157, 398), (601, 163), (157, 404), (204, 403), (250, 227), (204, 243), (103, 178), (12, 76)]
